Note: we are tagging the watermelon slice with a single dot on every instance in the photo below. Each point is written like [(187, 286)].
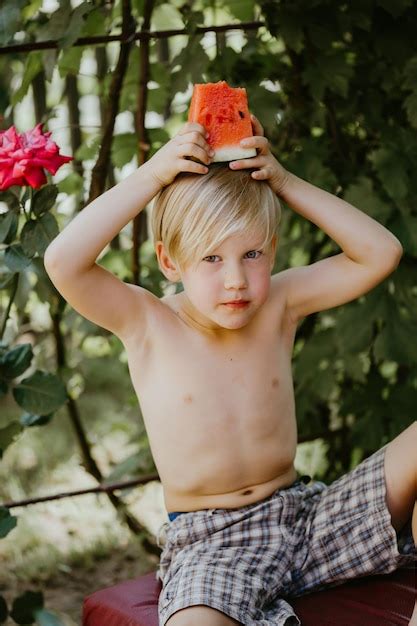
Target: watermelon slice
[(224, 113)]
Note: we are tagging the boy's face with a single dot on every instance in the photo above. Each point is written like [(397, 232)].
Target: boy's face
[(238, 269)]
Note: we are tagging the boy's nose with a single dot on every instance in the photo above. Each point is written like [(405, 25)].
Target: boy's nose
[(235, 281)]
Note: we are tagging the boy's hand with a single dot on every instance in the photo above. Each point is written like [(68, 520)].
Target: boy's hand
[(175, 156), (269, 168)]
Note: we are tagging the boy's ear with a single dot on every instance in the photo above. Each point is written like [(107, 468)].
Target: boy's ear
[(166, 266)]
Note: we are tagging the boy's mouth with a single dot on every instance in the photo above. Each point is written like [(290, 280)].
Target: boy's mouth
[(237, 304)]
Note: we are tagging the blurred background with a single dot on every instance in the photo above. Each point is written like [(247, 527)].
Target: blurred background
[(334, 85)]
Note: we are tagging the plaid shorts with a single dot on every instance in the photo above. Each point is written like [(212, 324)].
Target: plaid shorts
[(248, 562)]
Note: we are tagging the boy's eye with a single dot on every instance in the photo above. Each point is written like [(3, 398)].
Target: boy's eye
[(256, 252), (212, 256)]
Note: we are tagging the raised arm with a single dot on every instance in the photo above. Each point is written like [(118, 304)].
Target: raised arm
[(370, 251), (70, 259)]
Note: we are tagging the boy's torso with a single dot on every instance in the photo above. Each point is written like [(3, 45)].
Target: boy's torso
[(220, 420)]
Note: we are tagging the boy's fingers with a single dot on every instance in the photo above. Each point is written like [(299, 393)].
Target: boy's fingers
[(190, 140), (190, 126), (190, 149), (257, 125), (259, 142)]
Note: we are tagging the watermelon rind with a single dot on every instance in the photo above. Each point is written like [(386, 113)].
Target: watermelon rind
[(232, 153)]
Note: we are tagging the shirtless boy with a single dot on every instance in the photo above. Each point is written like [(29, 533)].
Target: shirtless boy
[(215, 387)]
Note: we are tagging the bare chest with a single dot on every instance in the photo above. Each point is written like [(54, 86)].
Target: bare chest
[(184, 370)]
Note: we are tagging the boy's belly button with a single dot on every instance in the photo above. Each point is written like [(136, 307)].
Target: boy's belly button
[(236, 499)]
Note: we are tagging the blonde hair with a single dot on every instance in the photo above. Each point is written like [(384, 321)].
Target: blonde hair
[(197, 212)]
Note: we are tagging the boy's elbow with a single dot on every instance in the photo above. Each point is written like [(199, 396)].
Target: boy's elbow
[(390, 258), (398, 251), (50, 259)]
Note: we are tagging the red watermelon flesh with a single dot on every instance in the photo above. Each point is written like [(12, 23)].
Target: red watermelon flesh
[(224, 113)]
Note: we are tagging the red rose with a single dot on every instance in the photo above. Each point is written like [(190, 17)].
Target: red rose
[(24, 156)]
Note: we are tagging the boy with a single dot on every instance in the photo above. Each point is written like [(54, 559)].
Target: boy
[(212, 368)]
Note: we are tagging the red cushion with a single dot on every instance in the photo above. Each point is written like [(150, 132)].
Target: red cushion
[(386, 600)]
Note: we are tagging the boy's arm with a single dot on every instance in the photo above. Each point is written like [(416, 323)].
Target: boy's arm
[(70, 259), (370, 252)]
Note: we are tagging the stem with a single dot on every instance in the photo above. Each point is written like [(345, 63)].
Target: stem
[(9, 305), (31, 202)]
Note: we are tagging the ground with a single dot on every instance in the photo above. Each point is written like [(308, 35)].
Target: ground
[(64, 593)]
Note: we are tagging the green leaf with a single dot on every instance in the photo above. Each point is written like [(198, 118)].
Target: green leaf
[(56, 25), (70, 60), (7, 523), (243, 10), (8, 434), (395, 7), (37, 234), (328, 71), (75, 25), (16, 361), (10, 199), (28, 238), (4, 612), (9, 20), (405, 228), (354, 328), (41, 393), (391, 169), (354, 367), (363, 196), (28, 419), (395, 341), (286, 23), (25, 605), (31, 9), (49, 60), (15, 258), (9, 222), (124, 148), (159, 96), (366, 428), (128, 96), (71, 184), (94, 22), (88, 151), (319, 348), (4, 389), (166, 17), (410, 104), (44, 199), (410, 74), (192, 61), (32, 67)]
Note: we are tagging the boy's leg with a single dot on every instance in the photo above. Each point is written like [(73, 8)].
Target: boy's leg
[(201, 615), (401, 478), (401, 484)]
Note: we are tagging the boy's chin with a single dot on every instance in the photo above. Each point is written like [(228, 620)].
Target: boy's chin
[(233, 324)]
